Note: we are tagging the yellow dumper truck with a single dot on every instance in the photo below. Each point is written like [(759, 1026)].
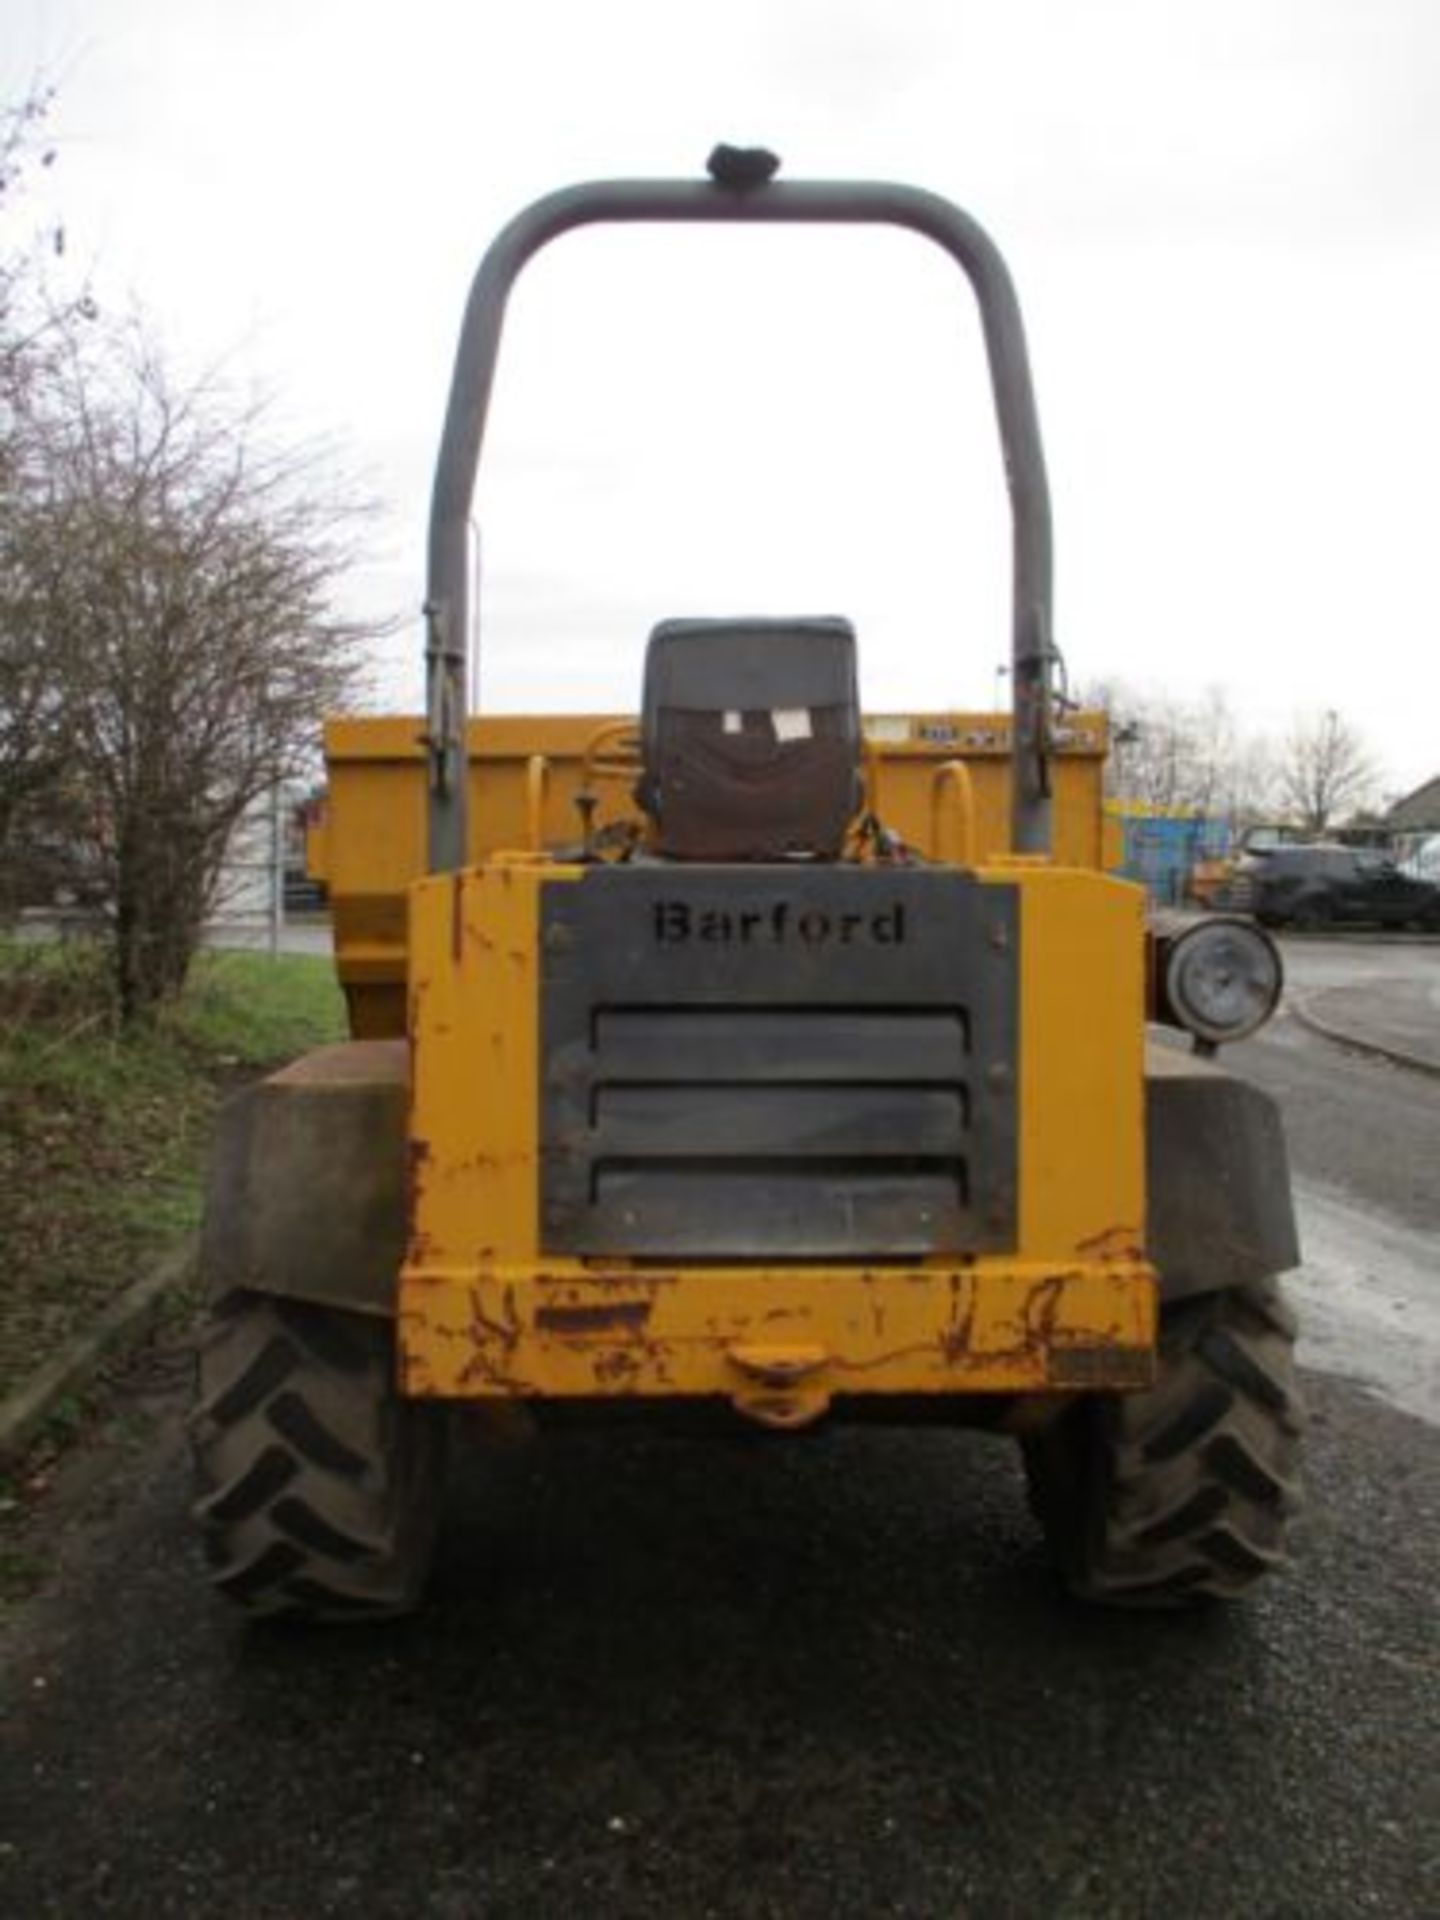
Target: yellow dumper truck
[(753, 1056)]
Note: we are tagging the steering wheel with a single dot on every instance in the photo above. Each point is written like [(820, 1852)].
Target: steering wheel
[(611, 753)]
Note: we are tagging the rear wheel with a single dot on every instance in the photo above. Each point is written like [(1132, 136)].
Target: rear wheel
[(1183, 1492), (318, 1486)]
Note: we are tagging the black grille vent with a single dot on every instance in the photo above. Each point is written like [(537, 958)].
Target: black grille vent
[(777, 1130), (737, 1121)]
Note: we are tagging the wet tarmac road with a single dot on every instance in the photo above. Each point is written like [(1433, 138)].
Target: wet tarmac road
[(825, 1676)]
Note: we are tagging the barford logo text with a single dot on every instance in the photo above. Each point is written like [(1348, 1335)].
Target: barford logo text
[(678, 923)]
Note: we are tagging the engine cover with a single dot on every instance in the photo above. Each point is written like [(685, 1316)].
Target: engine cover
[(755, 1063)]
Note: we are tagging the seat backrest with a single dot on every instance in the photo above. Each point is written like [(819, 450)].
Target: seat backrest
[(751, 738)]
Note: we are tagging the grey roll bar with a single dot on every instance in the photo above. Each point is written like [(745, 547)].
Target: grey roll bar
[(837, 202)]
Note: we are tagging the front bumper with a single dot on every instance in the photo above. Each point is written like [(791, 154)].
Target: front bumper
[(786, 1339)]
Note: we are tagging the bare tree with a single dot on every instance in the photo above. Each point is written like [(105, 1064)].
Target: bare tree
[(1248, 781), (1324, 769), (175, 576), (20, 324), (1170, 753), (35, 698), (36, 321), (1235, 769), (39, 301)]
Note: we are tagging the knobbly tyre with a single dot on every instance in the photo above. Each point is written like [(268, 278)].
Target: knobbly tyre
[(754, 1058)]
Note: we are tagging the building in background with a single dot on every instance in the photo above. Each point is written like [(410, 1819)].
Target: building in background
[(1416, 818), (263, 877), (1415, 824)]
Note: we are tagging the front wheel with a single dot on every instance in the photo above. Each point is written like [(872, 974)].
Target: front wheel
[(1183, 1492), (319, 1488)]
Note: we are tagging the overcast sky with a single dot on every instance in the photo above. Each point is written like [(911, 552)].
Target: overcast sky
[(1223, 216)]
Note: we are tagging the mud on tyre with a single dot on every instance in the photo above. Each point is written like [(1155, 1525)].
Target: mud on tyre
[(318, 1487), (1183, 1492)]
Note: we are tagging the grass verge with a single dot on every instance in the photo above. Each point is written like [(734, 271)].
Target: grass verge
[(103, 1133)]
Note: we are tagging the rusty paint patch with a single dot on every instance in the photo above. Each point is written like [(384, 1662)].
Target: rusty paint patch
[(955, 1339), (618, 1316), (1042, 1309), (854, 1364), (1101, 1367), (617, 1369), (1115, 1243), (457, 917), (484, 1330), (630, 1279), (556, 1330), (491, 1163), (415, 1377), (493, 1345)]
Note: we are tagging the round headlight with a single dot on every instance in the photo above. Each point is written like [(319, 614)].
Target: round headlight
[(1220, 979)]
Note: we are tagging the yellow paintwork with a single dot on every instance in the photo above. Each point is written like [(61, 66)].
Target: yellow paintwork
[(526, 770), (519, 1331), (1112, 841), (483, 1313), (317, 844)]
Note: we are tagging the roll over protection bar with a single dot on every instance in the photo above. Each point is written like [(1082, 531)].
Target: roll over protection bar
[(820, 203)]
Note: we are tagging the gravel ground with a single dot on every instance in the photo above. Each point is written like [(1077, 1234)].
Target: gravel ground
[(831, 1677)]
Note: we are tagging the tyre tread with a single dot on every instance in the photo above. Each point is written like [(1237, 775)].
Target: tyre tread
[(317, 1487), (1182, 1492)]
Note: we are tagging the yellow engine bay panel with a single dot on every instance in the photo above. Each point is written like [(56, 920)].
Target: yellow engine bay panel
[(1059, 1296)]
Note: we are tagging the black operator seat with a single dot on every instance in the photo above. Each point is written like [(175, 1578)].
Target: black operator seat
[(750, 737)]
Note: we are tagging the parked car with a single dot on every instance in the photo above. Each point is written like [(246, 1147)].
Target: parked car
[(1320, 886)]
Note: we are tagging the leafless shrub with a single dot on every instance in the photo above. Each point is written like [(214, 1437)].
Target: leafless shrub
[(1325, 770), (1190, 755), (168, 577)]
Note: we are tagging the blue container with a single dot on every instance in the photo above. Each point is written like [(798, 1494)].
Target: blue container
[(1161, 849)]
